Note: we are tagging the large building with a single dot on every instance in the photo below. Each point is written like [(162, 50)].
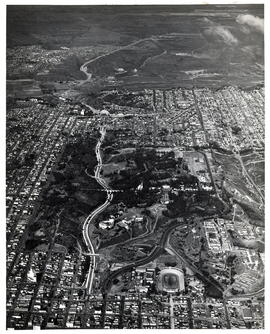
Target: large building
[(171, 280)]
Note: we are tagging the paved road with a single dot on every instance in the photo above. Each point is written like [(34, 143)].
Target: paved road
[(203, 278), (193, 268), (246, 296), (95, 213), (245, 173), (171, 312), (156, 252), (83, 67)]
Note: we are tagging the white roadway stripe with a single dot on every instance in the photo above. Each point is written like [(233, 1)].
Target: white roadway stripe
[(91, 216)]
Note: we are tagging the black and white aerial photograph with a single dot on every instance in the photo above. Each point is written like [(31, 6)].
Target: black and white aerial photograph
[(135, 166)]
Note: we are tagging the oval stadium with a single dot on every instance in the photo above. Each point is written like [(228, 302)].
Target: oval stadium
[(171, 280)]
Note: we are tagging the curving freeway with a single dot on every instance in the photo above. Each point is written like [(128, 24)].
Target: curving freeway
[(153, 38), (83, 67), (257, 293), (156, 252), (87, 223)]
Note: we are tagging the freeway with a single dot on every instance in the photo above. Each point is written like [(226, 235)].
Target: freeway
[(156, 252), (153, 38), (83, 67), (87, 223), (202, 277), (259, 292), (161, 245), (171, 249), (245, 173)]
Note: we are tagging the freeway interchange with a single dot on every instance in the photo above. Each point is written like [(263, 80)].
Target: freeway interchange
[(163, 245)]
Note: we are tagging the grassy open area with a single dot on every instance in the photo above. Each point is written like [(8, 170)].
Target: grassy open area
[(185, 50), (238, 187)]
